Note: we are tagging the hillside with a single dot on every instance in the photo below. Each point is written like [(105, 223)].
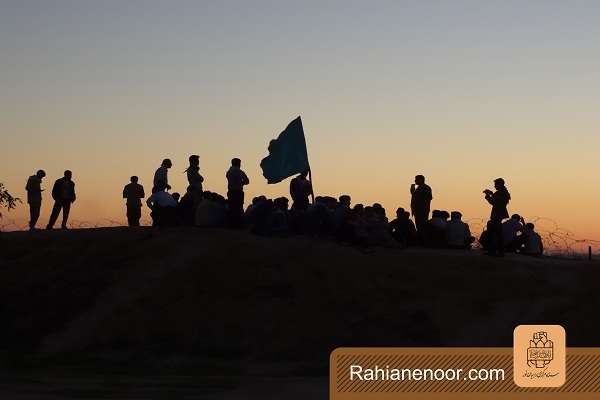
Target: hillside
[(138, 297)]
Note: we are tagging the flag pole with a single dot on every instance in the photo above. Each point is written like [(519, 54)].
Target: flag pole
[(312, 191)]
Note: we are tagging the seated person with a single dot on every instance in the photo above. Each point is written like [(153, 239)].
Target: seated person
[(402, 228), (260, 216), (341, 214), (164, 209), (485, 239), (458, 234), (376, 229), (185, 208), (533, 245), (251, 209), (278, 219), (211, 210), (512, 230), (380, 212), (436, 229), (316, 219)]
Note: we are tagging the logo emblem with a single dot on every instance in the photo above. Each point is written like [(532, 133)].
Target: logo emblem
[(540, 351), (539, 356)]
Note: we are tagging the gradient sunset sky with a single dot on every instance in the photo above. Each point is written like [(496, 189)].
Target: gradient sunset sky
[(460, 91)]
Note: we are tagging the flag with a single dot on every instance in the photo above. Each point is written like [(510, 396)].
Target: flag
[(287, 154)]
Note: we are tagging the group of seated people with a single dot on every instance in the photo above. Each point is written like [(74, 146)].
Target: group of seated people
[(445, 230), (336, 218), (517, 236), (175, 210)]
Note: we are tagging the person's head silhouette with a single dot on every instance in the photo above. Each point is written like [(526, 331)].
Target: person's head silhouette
[(400, 213), (419, 180), (166, 163), (68, 175), (456, 215), (41, 173), (134, 179), (345, 200), (194, 160), (236, 162), (499, 183)]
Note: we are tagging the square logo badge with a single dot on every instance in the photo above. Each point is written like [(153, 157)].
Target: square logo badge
[(539, 356)]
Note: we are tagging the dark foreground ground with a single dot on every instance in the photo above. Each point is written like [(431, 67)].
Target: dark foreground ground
[(189, 313)]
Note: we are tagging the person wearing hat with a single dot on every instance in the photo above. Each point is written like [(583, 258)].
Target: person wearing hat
[(161, 177), (194, 179), (34, 197), (499, 201)]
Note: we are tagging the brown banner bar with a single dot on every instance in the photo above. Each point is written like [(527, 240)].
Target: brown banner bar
[(457, 373)]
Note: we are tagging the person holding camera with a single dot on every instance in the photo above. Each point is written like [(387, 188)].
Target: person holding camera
[(499, 201)]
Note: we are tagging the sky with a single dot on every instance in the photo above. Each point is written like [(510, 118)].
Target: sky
[(460, 91)]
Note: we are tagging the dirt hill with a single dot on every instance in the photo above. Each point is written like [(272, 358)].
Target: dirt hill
[(230, 294)]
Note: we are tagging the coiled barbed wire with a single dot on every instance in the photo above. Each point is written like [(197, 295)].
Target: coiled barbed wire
[(557, 241)]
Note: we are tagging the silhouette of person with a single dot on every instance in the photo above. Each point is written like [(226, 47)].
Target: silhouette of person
[(420, 203), (533, 245), (211, 211), (161, 176), (402, 228), (134, 192), (185, 208), (300, 191), (236, 180), (458, 234), (194, 179), (485, 238), (499, 201), (63, 193), (512, 232), (34, 197), (435, 231), (164, 208)]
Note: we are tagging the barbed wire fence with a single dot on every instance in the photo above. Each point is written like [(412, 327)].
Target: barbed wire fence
[(558, 241), (8, 225)]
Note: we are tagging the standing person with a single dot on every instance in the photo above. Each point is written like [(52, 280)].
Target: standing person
[(420, 204), (134, 192), (236, 180), (194, 180), (161, 176), (499, 201), (63, 193), (300, 191), (34, 197)]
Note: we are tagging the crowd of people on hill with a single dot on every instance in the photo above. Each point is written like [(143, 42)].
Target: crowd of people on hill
[(324, 216)]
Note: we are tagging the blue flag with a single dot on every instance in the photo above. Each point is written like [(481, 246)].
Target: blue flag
[(287, 154)]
